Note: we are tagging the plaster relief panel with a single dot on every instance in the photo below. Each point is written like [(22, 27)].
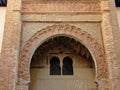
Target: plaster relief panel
[(61, 6), (29, 29)]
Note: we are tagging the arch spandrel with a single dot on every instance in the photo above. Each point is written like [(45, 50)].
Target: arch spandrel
[(38, 38)]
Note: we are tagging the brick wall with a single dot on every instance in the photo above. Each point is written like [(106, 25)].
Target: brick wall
[(12, 42)]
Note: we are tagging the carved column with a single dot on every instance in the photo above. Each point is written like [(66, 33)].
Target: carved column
[(11, 46), (22, 87), (109, 46), (103, 84)]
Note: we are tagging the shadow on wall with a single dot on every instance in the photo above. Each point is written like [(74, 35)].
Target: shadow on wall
[(3, 3)]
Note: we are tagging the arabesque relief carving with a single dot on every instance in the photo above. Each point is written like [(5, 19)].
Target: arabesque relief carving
[(61, 6), (38, 38)]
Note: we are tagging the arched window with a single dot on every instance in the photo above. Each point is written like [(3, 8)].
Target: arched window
[(67, 68), (55, 66)]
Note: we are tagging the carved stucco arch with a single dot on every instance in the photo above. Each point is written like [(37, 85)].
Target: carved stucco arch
[(38, 38)]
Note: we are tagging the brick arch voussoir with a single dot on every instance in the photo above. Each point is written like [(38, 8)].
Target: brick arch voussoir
[(61, 29)]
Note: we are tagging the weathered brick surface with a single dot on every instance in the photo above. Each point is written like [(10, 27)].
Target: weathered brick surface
[(115, 67), (107, 67), (10, 49), (111, 40)]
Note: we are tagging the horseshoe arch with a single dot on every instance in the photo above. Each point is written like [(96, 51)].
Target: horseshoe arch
[(83, 37)]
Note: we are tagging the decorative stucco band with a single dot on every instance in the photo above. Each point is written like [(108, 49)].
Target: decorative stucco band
[(83, 37)]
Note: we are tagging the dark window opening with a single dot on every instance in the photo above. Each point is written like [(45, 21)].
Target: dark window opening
[(3, 3), (55, 66), (117, 2), (67, 68)]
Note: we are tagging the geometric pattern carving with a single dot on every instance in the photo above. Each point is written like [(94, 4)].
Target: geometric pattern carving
[(38, 38)]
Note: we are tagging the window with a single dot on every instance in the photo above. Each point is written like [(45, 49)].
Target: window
[(55, 66), (67, 68), (117, 2), (3, 2)]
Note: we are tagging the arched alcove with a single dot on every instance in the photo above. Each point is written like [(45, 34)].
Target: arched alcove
[(86, 39), (62, 59)]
